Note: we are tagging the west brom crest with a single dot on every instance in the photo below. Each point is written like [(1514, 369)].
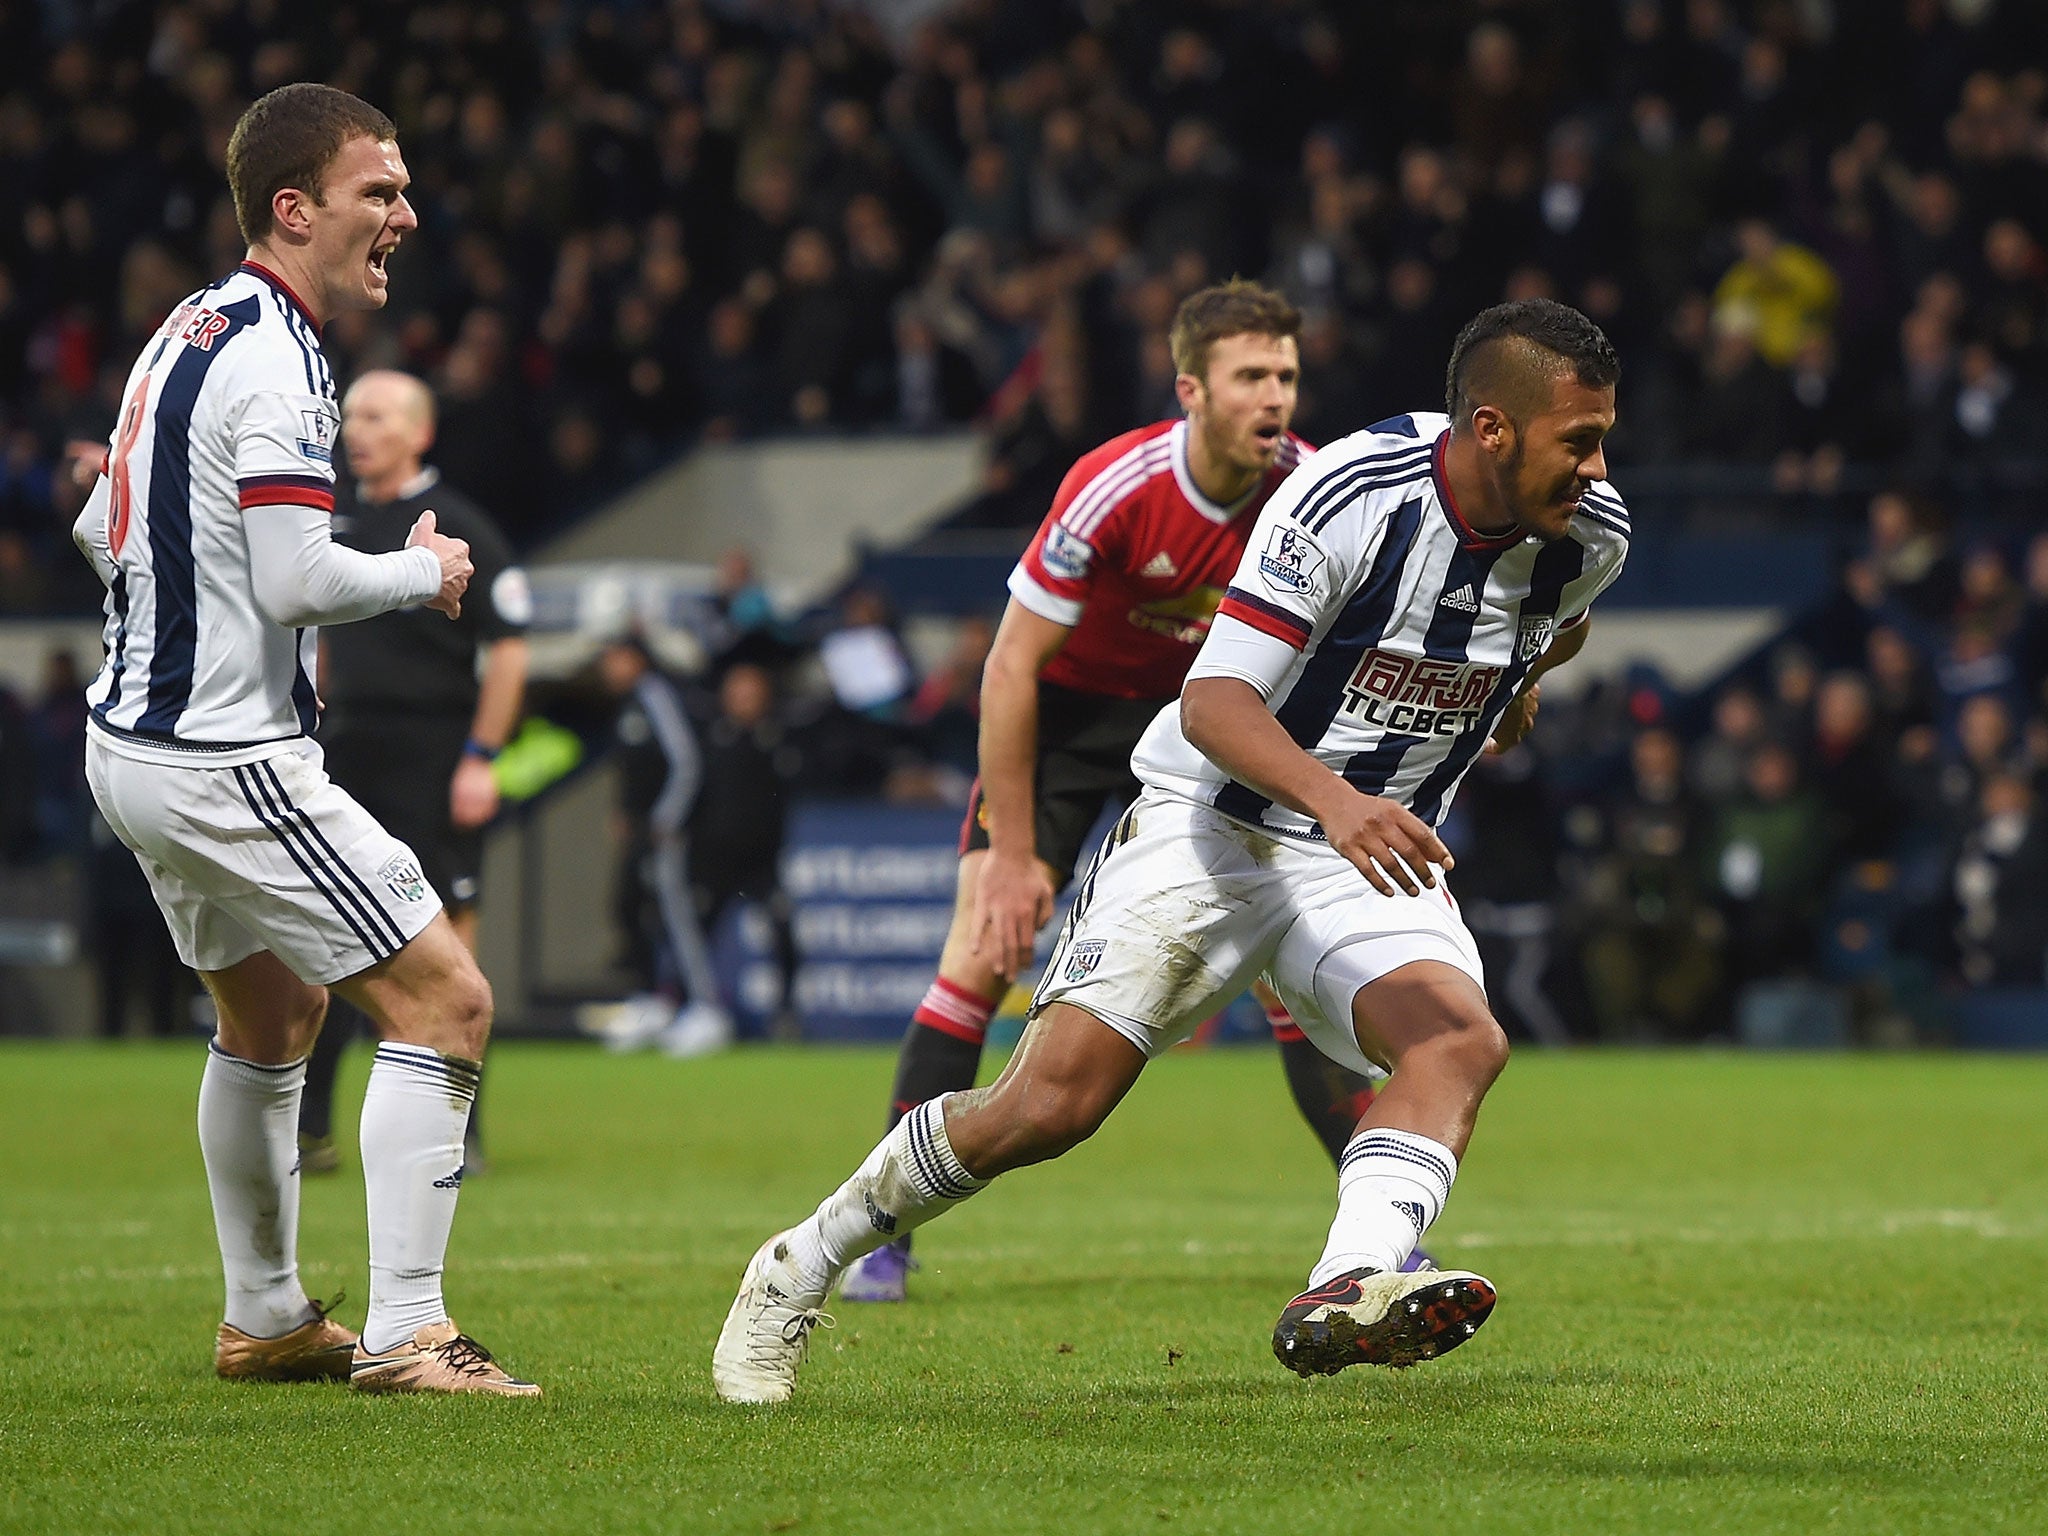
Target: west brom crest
[(1533, 636), (404, 878), (1084, 957)]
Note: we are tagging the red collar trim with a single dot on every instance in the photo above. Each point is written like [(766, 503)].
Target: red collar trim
[(284, 288), (1468, 536)]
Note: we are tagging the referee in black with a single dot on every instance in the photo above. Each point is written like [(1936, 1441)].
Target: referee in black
[(417, 706)]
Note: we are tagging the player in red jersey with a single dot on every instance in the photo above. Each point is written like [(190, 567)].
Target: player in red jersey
[(1107, 608)]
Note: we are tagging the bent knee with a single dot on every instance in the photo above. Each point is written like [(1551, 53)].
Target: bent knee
[(1480, 1045), (1471, 1044), (1491, 1045), (305, 1014), (451, 1013), (470, 1008)]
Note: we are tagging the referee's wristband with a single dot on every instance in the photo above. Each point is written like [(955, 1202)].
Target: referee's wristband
[(475, 748)]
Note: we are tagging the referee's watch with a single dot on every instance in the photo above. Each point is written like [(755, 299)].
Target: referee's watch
[(475, 748)]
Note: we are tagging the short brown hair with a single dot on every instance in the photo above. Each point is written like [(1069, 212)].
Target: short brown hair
[(1235, 308), (288, 139)]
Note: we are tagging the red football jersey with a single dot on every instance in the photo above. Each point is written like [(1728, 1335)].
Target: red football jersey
[(1134, 558)]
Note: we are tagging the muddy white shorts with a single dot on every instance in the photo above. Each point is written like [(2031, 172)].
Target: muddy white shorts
[(1183, 908), (264, 855)]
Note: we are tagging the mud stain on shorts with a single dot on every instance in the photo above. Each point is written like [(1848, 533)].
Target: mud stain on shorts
[(1183, 975)]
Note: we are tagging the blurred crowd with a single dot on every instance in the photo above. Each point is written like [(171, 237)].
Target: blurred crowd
[(1815, 231), (1852, 825)]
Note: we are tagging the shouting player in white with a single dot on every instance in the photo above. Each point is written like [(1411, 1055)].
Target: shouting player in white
[(1402, 592), (210, 528)]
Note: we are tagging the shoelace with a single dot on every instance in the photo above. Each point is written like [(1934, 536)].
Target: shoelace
[(772, 1347), (464, 1355), (325, 1309)]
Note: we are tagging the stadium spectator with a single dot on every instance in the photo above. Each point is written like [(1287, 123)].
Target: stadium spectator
[(1900, 692), (1908, 561), (2001, 888), (1652, 945), (56, 727), (1851, 771), (1767, 853), (946, 709), (1509, 895), (1720, 756), (1795, 680), (736, 828), (1818, 426), (1778, 294), (1738, 412), (664, 949), (20, 841)]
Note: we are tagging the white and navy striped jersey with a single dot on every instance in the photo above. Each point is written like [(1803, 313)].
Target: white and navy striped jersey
[(230, 405), (1413, 630)]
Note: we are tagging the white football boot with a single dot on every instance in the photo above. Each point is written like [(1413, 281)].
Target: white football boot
[(767, 1330)]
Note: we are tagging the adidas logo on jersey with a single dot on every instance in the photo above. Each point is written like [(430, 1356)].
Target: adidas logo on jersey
[(1464, 600), (1160, 567)]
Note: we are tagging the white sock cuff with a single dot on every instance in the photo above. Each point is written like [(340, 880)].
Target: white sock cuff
[(1388, 1153), (288, 1078), (422, 1065), (930, 1163)]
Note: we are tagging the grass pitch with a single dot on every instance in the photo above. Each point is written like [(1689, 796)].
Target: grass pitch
[(1737, 1294)]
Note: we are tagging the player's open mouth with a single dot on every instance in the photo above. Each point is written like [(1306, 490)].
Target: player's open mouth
[(379, 256), (1267, 436)]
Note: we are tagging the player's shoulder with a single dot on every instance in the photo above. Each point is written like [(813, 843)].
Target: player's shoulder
[(1359, 478), (1601, 522), (273, 343), (1394, 452), (1128, 459), (1127, 468)]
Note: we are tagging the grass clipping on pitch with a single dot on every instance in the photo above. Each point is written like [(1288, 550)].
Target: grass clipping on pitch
[(1737, 1294)]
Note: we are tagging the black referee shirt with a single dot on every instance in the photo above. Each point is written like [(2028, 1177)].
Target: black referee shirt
[(414, 660)]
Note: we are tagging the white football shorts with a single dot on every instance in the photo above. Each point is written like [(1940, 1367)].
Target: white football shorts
[(264, 855), (1184, 907)]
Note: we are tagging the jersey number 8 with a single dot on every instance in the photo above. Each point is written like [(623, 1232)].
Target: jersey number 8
[(122, 499)]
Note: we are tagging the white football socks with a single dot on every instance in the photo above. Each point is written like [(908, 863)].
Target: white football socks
[(1390, 1186), (413, 1116), (249, 1135), (910, 1177)]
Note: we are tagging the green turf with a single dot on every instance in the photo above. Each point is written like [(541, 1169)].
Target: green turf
[(1737, 1294)]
